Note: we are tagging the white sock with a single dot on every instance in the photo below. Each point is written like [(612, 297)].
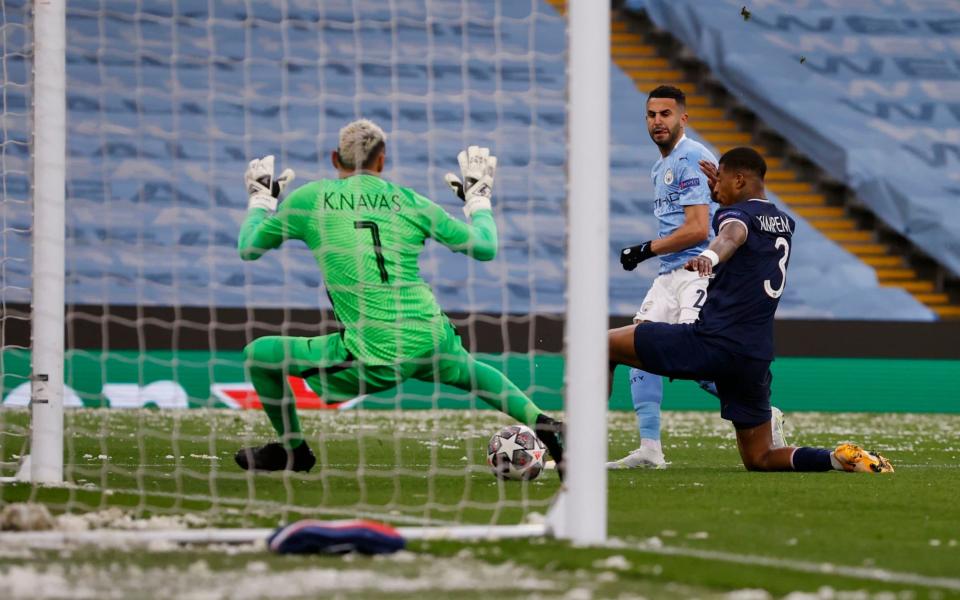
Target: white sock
[(652, 444), (835, 463)]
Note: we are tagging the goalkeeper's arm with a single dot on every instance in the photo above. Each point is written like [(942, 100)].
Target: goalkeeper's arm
[(262, 229), (259, 233), (478, 239)]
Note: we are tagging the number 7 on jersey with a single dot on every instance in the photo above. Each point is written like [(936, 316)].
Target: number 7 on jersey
[(377, 248)]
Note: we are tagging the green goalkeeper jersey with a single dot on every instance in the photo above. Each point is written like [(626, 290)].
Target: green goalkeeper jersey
[(366, 235)]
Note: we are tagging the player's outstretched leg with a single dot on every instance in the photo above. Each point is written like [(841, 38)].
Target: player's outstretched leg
[(461, 370), (550, 432), (495, 389), (646, 391), (847, 457), (759, 454)]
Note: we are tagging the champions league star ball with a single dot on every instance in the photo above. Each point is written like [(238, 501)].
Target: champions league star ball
[(515, 452)]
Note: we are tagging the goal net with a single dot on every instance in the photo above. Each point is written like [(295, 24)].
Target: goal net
[(166, 102)]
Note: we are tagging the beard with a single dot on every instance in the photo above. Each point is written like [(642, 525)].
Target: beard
[(671, 140)]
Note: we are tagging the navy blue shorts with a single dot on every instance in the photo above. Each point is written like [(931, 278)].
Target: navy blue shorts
[(679, 352)]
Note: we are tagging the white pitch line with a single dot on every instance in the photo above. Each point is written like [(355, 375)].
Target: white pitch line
[(872, 574)]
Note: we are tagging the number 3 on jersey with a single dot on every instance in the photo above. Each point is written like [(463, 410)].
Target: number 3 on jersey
[(775, 293), (377, 247)]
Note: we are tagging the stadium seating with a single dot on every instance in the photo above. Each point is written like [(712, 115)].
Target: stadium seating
[(867, 90), (162, 123)]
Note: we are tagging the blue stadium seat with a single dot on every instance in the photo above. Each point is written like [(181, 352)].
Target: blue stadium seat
[(866, 90)]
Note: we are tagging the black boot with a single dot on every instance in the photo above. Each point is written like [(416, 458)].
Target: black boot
[(275, 457), (550, 432)]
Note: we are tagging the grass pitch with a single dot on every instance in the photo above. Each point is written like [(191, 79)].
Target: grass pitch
[(702, 528)]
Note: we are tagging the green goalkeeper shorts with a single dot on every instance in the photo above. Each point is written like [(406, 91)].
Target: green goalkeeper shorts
[(336, 376)]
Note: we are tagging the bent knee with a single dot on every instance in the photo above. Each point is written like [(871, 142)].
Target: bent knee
[(261, 352), (250, 350)]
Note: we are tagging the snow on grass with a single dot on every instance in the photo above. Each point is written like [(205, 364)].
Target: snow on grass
[(256, 579)]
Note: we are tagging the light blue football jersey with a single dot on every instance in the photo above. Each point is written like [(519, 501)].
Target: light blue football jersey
[(678, 182)]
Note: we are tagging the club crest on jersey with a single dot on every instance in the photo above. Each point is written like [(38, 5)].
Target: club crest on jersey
[(668, 177)]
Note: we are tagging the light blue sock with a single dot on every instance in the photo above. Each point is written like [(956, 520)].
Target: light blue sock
[(647, 392), (709, 387)]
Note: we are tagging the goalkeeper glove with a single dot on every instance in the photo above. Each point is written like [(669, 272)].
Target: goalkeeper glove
[(262, 188), (634, 255), (478, 168)]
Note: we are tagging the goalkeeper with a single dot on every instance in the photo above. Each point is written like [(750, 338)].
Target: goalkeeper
[(366, 235)]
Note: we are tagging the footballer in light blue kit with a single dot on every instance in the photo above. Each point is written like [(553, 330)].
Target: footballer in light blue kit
[(678, 183), (731, 343), (684, 209)]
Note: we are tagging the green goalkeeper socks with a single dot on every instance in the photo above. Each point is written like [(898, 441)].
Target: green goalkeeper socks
[(279, 404), (495, 389), (275, 395)]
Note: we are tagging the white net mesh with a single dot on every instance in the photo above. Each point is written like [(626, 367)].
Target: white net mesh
[(166, 104)]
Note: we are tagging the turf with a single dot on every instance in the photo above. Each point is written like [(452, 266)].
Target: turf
[(704, 527)]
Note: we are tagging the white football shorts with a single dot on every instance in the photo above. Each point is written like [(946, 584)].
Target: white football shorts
[(674, 297)]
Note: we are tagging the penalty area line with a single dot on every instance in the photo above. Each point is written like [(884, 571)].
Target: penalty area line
[(801, 566)]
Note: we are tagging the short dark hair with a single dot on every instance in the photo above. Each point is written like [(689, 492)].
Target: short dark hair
[(745, 159), (668, 91), (369, 162), (375, 153)]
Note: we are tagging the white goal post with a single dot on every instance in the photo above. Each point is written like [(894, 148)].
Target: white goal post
[(588, 169), (49, 230)]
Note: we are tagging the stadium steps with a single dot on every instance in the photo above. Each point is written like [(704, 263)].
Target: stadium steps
[(715, 115), (651, 57)]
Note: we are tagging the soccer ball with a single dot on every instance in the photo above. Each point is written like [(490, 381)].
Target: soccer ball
[(515, 452)]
